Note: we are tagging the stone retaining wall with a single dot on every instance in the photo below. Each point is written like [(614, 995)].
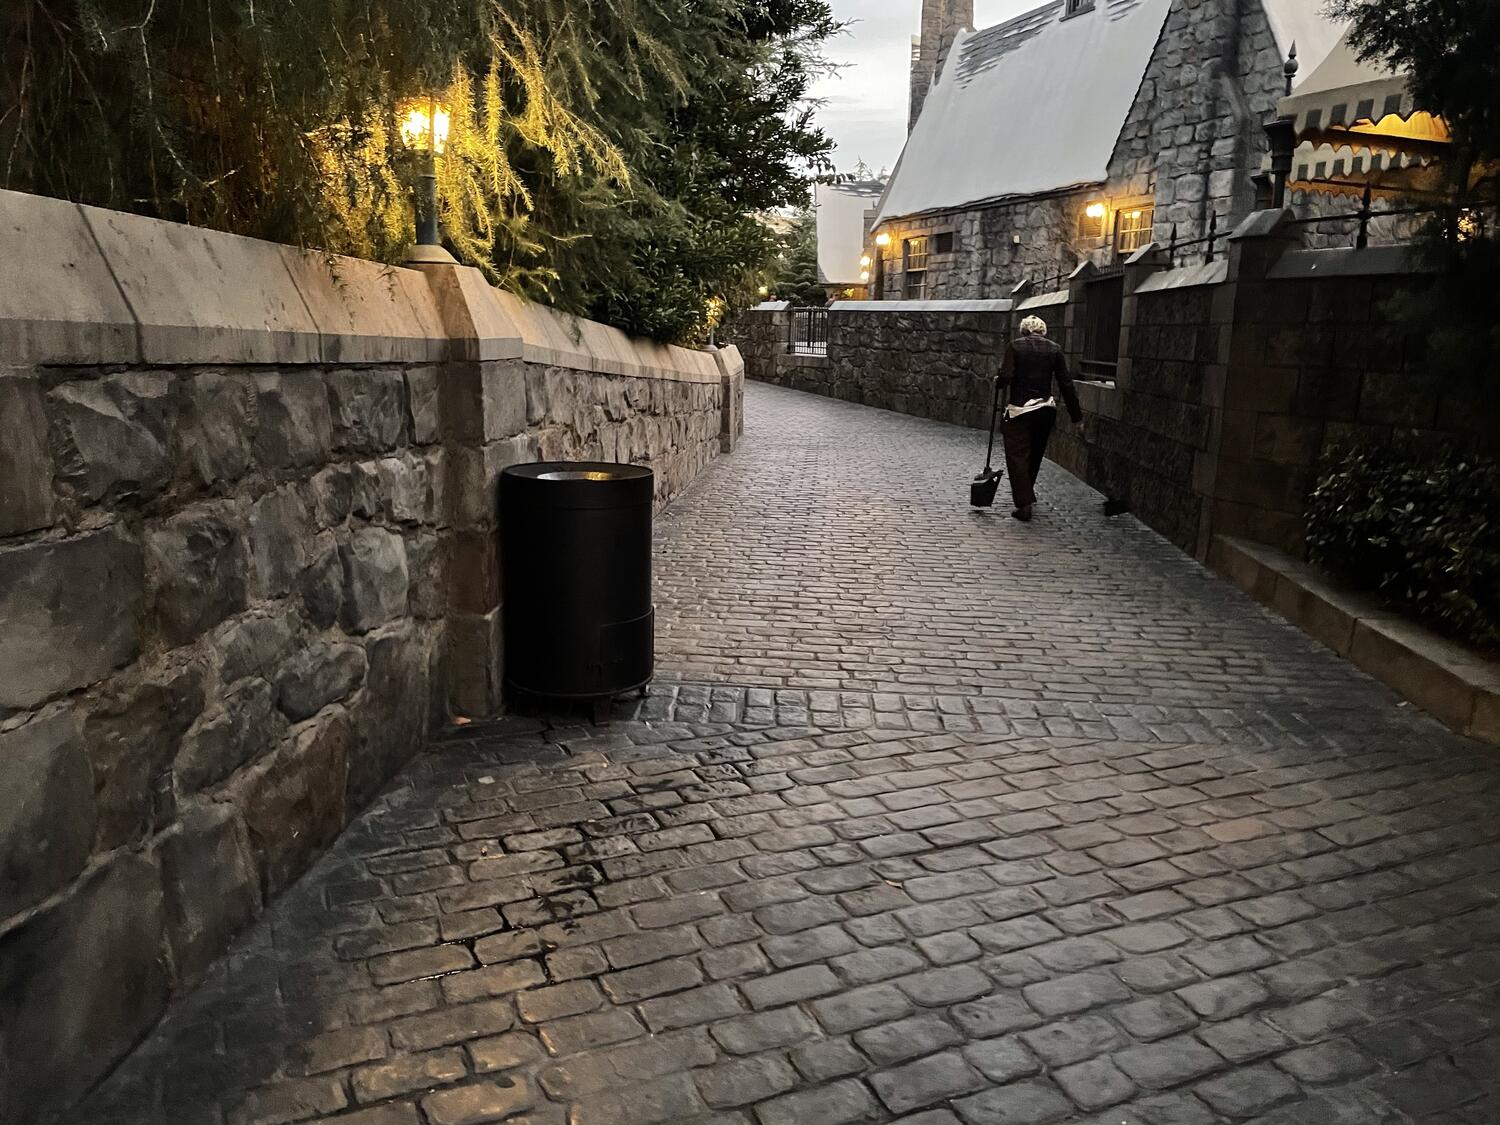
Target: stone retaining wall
[(247, 561)]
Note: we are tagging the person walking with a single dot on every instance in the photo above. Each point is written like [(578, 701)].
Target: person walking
[(1032, 365)]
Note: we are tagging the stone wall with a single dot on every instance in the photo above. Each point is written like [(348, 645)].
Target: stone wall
[(932, 359), (247, 561)]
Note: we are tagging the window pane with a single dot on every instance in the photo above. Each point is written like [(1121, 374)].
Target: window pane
[(1134, 228)]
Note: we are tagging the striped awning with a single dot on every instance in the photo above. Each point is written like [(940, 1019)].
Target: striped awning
[(1348, 103)]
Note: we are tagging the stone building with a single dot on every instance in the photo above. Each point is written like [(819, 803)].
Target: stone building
[(1086, 129)]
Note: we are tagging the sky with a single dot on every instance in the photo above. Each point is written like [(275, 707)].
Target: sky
[(865, 103)]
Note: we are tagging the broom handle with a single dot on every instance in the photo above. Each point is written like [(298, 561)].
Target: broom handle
[(989, 457)]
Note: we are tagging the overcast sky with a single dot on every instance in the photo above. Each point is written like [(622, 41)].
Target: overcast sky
[(865, 104)]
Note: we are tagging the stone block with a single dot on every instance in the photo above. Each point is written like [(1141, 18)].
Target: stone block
[(423, 404), (293, 802), (69, 614), (424, 565), (132, 736), (1415, 664), (317, 675), (474, 662), (80, 983), (47, 815), (1317, 608), (113, 436), (376, 580), (1485, 724), (280, 529), (197, 564), (368, 409), (331, 493), (212, 890), (471, 569), (25, 461), (505, 399), (204, 296), (392, 720), (254, 645), (246, 727), (71, 312), (322, 583), (295, 427), (215, 427)]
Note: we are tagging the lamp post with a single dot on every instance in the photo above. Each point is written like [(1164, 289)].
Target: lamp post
[(424, 129)]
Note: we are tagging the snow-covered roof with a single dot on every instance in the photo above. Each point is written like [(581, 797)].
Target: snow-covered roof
[(1028, 106), (841, 228), (1303, 24)]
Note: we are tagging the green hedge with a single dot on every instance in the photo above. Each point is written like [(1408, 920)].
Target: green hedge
[(1418, 525)]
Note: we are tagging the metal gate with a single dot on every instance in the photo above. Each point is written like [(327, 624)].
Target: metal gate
[(809, 332), (1103, 301)]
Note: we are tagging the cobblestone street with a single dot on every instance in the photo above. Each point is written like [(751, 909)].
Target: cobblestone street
[(933, 817)]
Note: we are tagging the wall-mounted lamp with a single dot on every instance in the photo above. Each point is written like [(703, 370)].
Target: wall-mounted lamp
[(1095, 211), (882, 240), (865, 262), (864, 276)]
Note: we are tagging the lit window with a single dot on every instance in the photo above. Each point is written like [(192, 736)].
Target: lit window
[(916, 255), (1091, 221), (1134, 228)]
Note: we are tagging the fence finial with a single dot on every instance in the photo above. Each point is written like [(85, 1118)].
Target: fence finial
[(1172, 249), (1291, 68), (1213, 233), (1362, 240)]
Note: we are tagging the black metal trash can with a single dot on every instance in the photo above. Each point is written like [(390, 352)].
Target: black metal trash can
[(575, 541)]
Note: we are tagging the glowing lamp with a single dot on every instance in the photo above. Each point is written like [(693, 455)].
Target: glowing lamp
[(864, 275), (1470, 225), (882, 240), (765, 290), (424, 127), (1094, 211), (864, 262)]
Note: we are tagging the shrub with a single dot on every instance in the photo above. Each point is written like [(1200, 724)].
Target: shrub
[(1417, 524)]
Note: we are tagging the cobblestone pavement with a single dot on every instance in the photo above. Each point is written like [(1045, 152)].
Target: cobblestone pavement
[(909, 832)]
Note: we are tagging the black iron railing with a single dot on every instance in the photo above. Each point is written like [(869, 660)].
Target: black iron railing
[(1461, 222), (809, 332)]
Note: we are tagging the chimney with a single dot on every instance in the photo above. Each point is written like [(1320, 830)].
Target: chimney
[(942, 20)]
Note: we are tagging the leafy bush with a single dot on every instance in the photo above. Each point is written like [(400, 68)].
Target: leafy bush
[(1417, 524)]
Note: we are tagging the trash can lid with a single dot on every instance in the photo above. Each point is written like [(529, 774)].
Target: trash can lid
[(581, 484)]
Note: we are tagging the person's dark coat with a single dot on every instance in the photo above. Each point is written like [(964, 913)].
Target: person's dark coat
[(1032, 365)]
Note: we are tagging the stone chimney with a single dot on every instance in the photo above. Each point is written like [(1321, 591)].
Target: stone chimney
[(942, 20)]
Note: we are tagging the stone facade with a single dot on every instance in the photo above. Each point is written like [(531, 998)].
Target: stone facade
[(247, 528), (1191, 142)]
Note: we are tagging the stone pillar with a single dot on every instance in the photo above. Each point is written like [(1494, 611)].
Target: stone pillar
[(482, 413), (1238, 382)]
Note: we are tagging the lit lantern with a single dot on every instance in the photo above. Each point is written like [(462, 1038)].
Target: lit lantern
[(882, 240), (424, 129), (865, 262), (1095, 211)]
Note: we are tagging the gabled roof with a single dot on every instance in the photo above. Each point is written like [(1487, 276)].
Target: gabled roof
[(841, 228), (1030, 106)]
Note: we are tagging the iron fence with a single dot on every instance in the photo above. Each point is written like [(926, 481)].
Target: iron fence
[(809, 332)]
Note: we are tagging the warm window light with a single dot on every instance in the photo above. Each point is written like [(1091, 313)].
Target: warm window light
[(1132, 214), (864, 262), (882, 240), (1094, 210), (425, 124)]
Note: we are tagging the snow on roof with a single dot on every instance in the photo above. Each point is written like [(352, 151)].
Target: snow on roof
[(1028, 106), (841, 228), (1302, 22)]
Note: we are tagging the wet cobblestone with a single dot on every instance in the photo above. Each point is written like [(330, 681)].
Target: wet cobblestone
[(933, 817)]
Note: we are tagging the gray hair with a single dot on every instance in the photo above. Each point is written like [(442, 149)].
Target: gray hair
[(1033, 326)]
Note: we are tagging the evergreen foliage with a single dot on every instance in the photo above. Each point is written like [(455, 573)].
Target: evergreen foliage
[(795, 277), (603, 155)]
